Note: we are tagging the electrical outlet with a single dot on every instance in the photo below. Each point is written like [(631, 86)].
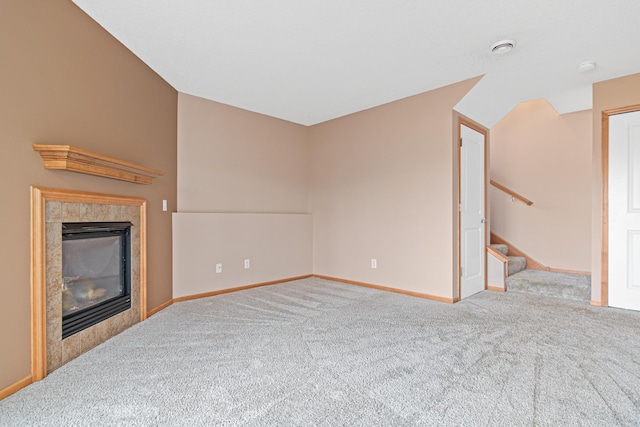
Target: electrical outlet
[(165, 206), (218, 268), (247, 263), (374, 263)]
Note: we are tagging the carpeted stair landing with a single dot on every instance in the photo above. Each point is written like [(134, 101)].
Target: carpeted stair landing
[(576, 287), (516, 263)]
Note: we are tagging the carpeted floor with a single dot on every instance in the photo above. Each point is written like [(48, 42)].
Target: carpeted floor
[(575, 287), (315, 352)]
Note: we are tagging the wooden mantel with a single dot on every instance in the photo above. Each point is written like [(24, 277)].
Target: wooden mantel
[(66, 157)]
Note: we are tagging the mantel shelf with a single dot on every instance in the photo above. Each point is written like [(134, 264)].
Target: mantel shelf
[(66, 157)]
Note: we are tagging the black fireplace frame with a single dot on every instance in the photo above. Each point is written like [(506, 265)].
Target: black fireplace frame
[(75, 322)]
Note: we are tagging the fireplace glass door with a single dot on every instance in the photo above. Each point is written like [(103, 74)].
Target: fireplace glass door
[(95, 273)]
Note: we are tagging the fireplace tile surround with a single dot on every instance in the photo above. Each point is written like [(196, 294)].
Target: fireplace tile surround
[(51, 208)]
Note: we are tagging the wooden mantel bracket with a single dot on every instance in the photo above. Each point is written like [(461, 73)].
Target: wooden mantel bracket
[(66, 157)]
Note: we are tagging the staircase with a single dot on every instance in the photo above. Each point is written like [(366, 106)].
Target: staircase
[(506, 272), (516, 263), (575, 287)]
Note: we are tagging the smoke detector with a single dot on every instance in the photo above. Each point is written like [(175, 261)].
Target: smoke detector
[(586, 66), (502, 47)]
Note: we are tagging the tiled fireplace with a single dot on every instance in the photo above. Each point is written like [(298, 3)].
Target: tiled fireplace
[(51, 211)]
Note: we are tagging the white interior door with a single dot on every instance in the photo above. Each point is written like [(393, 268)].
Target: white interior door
[(472, 212), (624, 210)]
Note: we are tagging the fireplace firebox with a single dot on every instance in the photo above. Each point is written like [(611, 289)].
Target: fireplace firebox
[(96, 273)]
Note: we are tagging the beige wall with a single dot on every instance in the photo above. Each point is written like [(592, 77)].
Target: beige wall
[(610, 94), (383, 184), (233, 160), (383, 187), (64, 80), (546, 157), (278, 246), (243, 192)]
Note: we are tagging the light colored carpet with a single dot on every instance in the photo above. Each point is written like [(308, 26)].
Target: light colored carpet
[(315, 352), (516, 264), (575, 287)]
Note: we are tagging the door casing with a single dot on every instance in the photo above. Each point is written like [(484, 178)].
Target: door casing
[(604, 274), (461, 120)]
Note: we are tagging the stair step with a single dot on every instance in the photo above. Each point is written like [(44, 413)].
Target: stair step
[(504, 249), (517, 264)]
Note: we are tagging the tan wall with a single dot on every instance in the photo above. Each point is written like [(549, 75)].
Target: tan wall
[(64, 80), (233, 160), (382, 187), (546, 157), (278, 246), (610, 94)]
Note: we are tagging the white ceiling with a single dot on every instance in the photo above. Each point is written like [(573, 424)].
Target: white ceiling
[(308, 61)]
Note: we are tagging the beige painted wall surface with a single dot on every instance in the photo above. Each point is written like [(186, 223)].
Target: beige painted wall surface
[(233, 160), (277, 245), (607, 95), (64, 80), (546, 157), (382, 187)]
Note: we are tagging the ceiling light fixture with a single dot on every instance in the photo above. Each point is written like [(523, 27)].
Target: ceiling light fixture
[(502, 47), (586, 66)]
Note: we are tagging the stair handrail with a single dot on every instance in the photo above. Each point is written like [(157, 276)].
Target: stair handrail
[(514, 196)]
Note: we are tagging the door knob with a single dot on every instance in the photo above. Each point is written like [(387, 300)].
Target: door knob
[(483, 220)]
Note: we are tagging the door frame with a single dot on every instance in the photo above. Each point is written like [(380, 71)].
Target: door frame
[(462, 120), (604, 272)]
